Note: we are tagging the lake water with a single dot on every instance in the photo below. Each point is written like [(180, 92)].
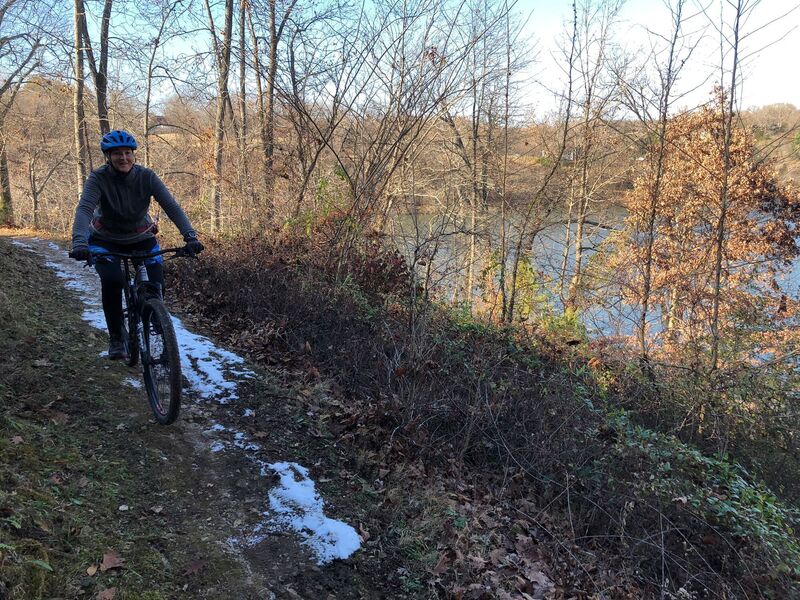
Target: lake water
[(446, 240)]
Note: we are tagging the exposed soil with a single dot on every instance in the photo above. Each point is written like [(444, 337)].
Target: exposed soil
[(158, 497)]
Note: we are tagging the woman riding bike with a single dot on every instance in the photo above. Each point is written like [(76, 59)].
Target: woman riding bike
[(112, 216)]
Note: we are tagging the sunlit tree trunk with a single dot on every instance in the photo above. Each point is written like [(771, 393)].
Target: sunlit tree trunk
[(99, 70), (6, 204), (245, 186), (78, 97), (727, 122), (504, 173), (265, 199), (223, 55), (269, 109), (668, 76)]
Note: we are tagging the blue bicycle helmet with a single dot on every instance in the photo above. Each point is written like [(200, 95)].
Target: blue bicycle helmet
[(117, 139)]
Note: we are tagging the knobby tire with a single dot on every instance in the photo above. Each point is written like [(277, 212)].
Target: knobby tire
[(161, 362)]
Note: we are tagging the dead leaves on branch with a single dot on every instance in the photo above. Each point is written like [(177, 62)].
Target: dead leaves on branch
[(706, 189)]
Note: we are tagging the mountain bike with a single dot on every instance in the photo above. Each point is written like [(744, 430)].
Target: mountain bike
[(151, 335)]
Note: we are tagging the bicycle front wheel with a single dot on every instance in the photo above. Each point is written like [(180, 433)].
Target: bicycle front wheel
[(161, 362)]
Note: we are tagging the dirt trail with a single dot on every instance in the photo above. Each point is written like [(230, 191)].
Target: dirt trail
[(231, 472)]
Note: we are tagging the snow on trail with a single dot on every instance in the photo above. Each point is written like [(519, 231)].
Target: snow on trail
[(213, 373)]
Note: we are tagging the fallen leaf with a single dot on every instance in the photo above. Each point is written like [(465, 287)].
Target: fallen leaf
[(363, 533), (111, 560), (497, 556), (59, 418), (55, 479), (443, 564), (107, 594), (157, 509), (91, 570), (83, 482), (195, 567), (17, 439), (535, 575)]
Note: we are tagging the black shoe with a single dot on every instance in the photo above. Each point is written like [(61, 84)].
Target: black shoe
[(117, 348)]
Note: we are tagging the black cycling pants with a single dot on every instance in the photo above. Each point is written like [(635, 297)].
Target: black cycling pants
[(112, 278)]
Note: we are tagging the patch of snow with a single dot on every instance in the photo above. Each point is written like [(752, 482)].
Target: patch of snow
[(95, 318), (249, 412), (298, 506), (134, 383), (247, 446), (217, 447), (217, 427), (207, 367), (21, 244)]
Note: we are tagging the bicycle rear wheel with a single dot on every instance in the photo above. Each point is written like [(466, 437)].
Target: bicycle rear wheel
[(161, 362)]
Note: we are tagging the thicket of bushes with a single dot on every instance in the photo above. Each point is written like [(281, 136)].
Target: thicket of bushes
[(448, 387)]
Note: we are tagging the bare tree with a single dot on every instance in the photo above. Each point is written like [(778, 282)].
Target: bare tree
[(652, 107), (591, 153), (81, 152), (20, 42), (729, 46), (529, 225), (222, 53), (165, 17), (99, 69)]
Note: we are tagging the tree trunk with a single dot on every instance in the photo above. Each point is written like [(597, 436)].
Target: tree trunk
[(524, 233), (101, 82), (99, 71), (668, 78), (146, 117), (78, 98), (6, 204), (34, 191), (223, 56), (244, 177), (269, 113), (266, 199), (504, 175), (583, 202), (727, 116)]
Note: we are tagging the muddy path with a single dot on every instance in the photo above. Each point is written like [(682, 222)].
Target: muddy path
[(240, 498)]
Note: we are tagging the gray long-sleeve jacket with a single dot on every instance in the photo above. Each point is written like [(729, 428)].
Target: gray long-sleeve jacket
[(114, 207)]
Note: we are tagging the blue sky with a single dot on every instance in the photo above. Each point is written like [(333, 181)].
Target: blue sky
[(770, 53)]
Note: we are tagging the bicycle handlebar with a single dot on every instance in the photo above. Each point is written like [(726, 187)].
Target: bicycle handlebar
[(184, 251), (144, 255)]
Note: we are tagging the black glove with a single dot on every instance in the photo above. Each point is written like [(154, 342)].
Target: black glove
[(193, 245), (80, 252)]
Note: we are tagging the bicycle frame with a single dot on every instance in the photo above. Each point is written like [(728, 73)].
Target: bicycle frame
[(148, 319)]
